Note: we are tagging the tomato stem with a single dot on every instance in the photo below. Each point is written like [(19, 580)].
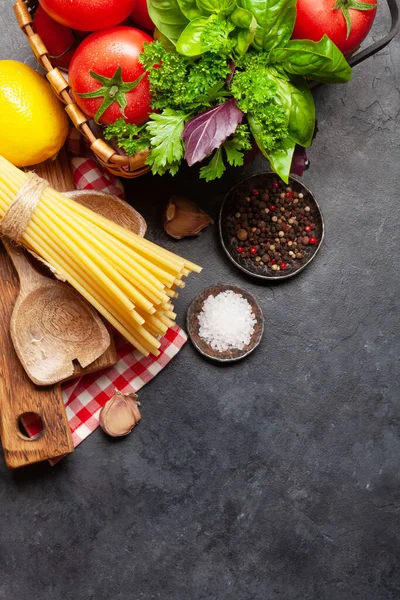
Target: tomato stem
[(113, 89), (345, 5)]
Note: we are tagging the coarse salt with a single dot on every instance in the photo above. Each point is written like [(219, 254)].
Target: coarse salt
[(226, 321)]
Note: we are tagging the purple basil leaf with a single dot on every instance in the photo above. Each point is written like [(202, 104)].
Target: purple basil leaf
[(209, 130), (300, 161)]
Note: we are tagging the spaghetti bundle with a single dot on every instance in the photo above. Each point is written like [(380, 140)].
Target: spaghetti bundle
[(131, 281)]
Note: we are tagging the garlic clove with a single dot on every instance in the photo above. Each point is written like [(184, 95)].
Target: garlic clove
[(183, 218), (120, 414)]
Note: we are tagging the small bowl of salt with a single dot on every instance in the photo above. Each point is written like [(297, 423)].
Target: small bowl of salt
[(225, 323)]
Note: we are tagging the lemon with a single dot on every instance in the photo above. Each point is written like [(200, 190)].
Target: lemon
[(33, 123)]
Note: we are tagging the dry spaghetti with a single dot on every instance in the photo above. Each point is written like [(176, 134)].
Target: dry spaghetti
[(129, 280)]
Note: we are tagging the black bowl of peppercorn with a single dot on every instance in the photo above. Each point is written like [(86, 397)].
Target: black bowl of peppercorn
[(268, 229)]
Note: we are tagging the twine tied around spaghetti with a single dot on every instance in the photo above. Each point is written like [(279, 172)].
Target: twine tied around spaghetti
[(21, 209), (19, 213)]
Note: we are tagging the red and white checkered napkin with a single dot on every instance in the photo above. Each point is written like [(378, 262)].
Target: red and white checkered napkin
[(84, 397)]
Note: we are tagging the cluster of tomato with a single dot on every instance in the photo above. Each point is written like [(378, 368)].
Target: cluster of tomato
[(96, 41)]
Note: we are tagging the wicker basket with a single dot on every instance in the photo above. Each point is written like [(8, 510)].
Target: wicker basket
[(122, 166)]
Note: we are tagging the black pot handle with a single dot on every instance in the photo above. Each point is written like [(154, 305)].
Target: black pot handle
[(394, 7)]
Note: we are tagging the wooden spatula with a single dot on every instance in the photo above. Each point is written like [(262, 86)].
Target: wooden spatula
[(52, 325)]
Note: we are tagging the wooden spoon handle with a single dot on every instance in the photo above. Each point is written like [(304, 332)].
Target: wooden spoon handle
[(29, 278)]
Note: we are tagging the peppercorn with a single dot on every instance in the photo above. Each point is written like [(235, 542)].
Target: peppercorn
[(279, 231)]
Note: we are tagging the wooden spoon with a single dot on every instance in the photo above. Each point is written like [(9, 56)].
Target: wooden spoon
[(52, 325)]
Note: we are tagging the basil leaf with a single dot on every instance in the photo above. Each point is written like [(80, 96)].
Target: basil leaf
[(160, 37), (297, 100), (280, 160), (209, 130), (190, 42), (190, 9), (167, 17), (275, 21), (217, 7), (302, 114), (243, 18), (321, 61), (244, 38)]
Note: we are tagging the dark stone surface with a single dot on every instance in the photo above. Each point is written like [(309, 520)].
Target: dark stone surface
[(274, 479)]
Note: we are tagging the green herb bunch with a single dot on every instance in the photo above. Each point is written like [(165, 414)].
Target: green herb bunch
[(223, 73)]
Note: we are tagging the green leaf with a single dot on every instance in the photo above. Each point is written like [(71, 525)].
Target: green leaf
[(295, 97), (129, 137), (217, 7), (234, 157), (160, 37), (234, 147), (167, 17), (243, 18), (247, 24), (279, 159), (190, 9), (190, 41), (244, 39), (216, 36), (302, 114), (165, 132), (321, 61), (275, 21), (215, 168)]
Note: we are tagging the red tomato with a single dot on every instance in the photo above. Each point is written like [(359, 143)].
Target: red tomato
[(88, 15), (112, 55), (318, 17), (140, 15), (59, 40)]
